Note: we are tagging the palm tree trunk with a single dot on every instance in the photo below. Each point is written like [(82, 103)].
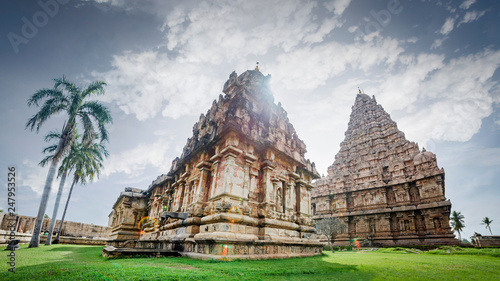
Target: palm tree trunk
[(35, 238), (56, 241), (56, 207)]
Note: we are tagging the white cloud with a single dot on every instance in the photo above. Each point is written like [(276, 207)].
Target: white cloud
[(352, 28), (147, 83), (215, 31), (452, 100), (447, 26), (337, 6), (466, 4), (438, 42), (35, 177), (399, 91), (203, 37), (134, 161), (313, 66), (497, 123), (472, 16), (412, 40)]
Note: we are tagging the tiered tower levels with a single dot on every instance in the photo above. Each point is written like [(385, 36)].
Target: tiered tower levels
[(382, 186)]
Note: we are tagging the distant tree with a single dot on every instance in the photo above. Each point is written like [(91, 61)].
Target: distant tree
[(330, 227), (1, 210), (46, 216), (487, 222), (457, 223), (75, 102)]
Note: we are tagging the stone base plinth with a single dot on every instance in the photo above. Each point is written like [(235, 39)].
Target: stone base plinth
[(429, 240), (228, 249)]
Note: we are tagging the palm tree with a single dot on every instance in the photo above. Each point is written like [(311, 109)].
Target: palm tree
[(457, 223), (487, 222), (86, 160), (63, 172), (74, 101)]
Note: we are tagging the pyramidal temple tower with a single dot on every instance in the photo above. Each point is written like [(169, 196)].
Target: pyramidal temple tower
[(382, 186), (240, 189)]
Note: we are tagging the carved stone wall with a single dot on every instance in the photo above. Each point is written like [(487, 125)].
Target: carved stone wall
[(128, 211), (382, 185), (241, 188)]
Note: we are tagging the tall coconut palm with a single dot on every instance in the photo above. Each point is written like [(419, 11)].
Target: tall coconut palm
[(86, 161), (63, 172), (487, 222), (66, 98), (457, 223), (64, 169)]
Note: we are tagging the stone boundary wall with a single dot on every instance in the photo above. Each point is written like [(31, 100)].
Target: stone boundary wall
[(487, 241), (25, 239), (26, 224)]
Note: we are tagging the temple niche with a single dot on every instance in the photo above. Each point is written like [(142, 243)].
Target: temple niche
[(383, 186), (240, 189)]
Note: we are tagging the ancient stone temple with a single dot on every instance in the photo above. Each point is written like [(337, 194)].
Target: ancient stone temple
[(240, 189), (382, 186)]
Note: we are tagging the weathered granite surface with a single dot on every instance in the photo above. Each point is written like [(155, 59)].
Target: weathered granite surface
[(240, 189), (384, 188)]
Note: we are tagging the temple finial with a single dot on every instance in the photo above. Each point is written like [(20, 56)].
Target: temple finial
[(257, 66)]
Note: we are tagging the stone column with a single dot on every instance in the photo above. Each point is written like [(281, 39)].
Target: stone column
[(267, 186), (293, 192), (177, 195), (230, 168), (215, 175), (182, 188), (186, 187), (249, 159), (343, 198), (204, 168), (303, 198)]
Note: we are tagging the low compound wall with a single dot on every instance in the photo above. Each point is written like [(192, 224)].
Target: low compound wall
[(487, 241), (25, 238), (25, 224)]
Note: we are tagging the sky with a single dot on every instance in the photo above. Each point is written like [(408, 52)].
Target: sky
[(432, 65)]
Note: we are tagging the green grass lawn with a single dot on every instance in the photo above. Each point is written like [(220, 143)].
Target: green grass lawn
[(71, 262)]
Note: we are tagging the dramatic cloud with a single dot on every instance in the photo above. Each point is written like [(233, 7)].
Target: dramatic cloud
[(199, 38), (225, 30), (459, 94), (133, 162), (313, 66), (147, 83), (400, 90)]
